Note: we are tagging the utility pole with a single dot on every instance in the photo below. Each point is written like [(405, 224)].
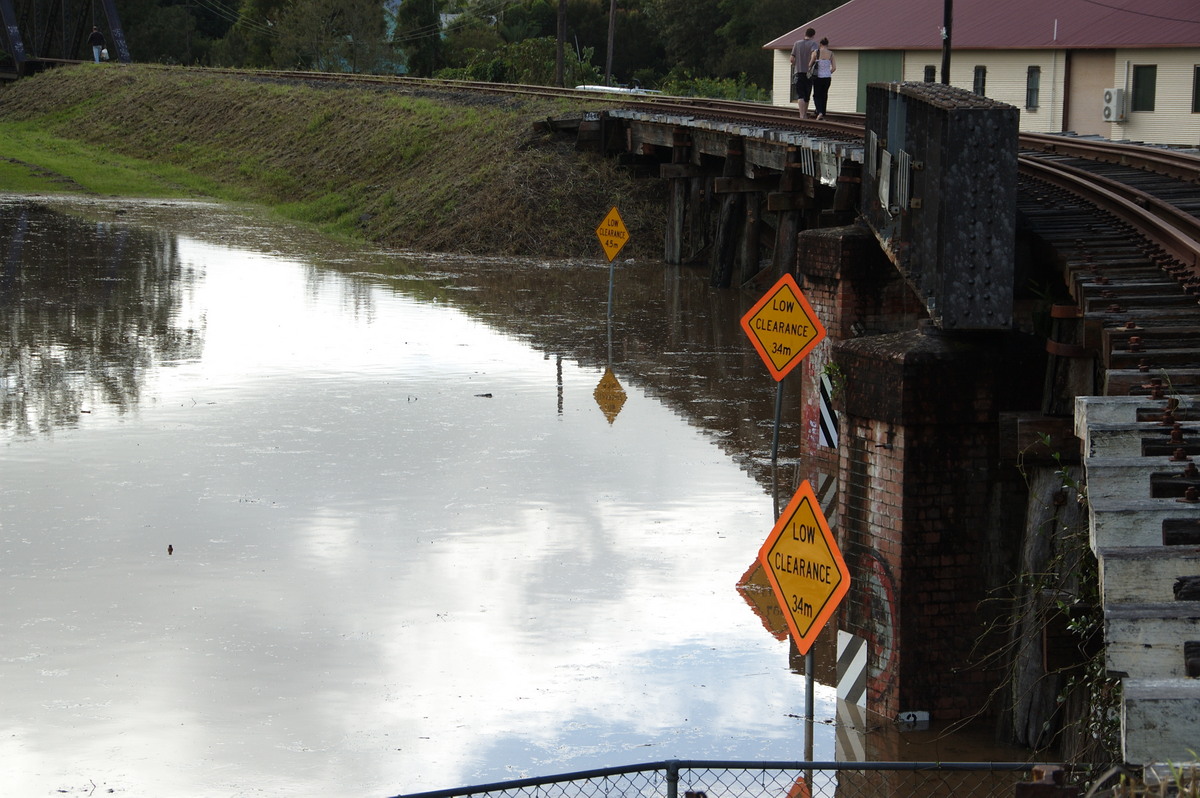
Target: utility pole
[(559, 70), (612, 24), (947, 21)]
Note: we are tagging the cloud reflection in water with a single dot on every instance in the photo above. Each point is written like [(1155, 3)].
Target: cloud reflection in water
[(381, 581)]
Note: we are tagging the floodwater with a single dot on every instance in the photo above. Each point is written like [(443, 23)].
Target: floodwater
[(282, 519), (277, 519)]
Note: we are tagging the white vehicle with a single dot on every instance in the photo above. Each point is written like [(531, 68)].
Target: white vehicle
[(618, 89)]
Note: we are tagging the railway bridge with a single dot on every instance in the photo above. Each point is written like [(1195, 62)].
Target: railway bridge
[(1005, 401)]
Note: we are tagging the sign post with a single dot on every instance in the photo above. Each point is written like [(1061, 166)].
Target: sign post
[(809, 578), (805, 567), (613, 237), (783, 328), (801, 557)]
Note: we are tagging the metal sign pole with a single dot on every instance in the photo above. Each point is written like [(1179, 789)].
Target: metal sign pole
[(611, 271), (778, 421), (809, 666)]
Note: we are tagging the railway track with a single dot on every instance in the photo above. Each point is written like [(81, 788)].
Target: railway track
[(747, 113), (1123, 220), (1123, 217)]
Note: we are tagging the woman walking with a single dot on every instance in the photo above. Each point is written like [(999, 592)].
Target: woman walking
[(824, 66)]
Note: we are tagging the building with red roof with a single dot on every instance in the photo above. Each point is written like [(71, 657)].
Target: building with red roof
[(1123, 69)]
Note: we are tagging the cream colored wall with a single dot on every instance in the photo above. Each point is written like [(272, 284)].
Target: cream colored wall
[(1172, 121), (781, 76), (1005, 80), (842, 90), (1007, 73), (1091, 73)]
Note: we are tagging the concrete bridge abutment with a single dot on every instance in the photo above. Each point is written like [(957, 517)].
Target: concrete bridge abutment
[(930, 519), (928, 516)]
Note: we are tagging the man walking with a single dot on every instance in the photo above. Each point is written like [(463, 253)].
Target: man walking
[(801, 54), (96, 40)]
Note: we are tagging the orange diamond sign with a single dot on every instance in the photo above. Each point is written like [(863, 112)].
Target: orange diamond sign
[(783, 327), (805, 567), (612, 233)]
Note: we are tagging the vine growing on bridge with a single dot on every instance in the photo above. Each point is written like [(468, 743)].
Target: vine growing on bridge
[(1057, 693)]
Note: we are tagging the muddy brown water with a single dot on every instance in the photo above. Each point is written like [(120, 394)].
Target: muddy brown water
[(279, 517)]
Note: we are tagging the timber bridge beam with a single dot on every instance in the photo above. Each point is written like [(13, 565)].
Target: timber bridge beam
[(738, 194)]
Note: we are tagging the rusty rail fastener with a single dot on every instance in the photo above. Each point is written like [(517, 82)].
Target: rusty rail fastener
[(1177, 433), (1144, 364), (1135, 343), (1190, 471), (1190, 496), (1180, 456), (1191, 658)]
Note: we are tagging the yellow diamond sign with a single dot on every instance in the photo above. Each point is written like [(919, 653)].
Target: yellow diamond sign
[(609, 395), (805, 567), (612, 233), (783, 327)]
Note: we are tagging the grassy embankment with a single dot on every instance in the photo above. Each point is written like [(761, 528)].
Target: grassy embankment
[(435, 172)]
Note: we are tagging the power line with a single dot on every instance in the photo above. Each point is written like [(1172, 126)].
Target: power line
[(1141, 13), (436, 29), (231, 15)]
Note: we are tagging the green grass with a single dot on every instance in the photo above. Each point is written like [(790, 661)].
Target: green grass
[(438, 172), (39, 162)]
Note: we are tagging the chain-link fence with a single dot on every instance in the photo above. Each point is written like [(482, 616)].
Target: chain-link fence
[(705, 779)]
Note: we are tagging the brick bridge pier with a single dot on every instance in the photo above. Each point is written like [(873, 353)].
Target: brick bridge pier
[(929, 402)]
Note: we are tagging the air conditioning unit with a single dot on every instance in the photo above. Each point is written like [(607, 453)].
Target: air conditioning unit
[(1114, 105)]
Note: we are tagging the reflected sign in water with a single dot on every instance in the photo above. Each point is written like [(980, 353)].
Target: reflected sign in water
[(273, 527)]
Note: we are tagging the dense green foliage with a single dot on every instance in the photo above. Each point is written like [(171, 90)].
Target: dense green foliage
[(659, 43)]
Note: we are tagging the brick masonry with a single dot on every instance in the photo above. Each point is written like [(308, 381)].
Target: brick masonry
[(919, 474)]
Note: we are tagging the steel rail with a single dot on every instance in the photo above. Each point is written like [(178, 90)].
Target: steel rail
[(1162, 160), (740, 111), (1177, 232)]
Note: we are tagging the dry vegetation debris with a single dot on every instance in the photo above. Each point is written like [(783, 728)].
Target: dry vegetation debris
[(437, 171)]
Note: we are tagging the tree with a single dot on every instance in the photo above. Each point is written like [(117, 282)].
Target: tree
[(172, 31), (752, 23), (250, 41), (687, 29), (468, 40), (332, 36), (637, 47), (419, 35)]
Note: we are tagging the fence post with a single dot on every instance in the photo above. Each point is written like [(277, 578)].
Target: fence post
[(672, 778)]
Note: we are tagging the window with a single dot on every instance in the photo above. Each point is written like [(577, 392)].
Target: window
[(931, 73), (1196, 90), (1033, 85), (1145, 76), (980, 86)]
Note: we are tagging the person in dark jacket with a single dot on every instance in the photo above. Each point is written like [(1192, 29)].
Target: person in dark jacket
[(96, 40)]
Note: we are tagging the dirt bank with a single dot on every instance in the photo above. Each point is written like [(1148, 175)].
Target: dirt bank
[(430, 171)]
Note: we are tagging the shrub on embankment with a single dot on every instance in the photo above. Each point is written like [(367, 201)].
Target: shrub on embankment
[(432, 171)]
